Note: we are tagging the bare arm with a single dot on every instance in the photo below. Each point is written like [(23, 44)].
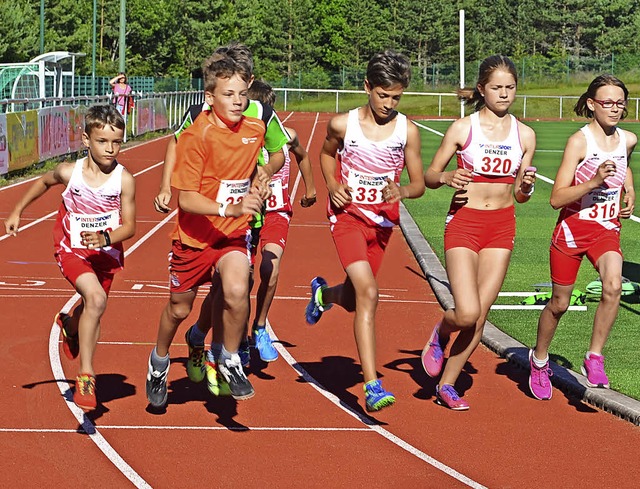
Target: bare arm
[(127, 210), (161, 201), (629, 190), (526, 177), (436, 176), (339, 193), (60, 175), (413, 162), (563, 192), (302, 158), (196, 203)]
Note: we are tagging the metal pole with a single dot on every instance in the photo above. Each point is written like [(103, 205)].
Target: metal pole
[(41, 26), (461, 59), (93, 49), (123, 27)]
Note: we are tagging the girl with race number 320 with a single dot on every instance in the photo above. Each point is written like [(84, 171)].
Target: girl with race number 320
[(494, 153)]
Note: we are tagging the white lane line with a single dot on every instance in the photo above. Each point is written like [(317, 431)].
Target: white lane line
[(366, 420), (65, 390), (187, 428)]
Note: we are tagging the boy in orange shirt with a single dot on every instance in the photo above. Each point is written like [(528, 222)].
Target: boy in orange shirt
[(218, 195)]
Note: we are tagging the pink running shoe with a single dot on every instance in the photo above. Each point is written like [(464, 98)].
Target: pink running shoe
[(593, 369), (539, 382), (432, 354), (448, 397)]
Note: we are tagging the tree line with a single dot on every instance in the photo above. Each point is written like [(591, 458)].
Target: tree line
[(171, 38)]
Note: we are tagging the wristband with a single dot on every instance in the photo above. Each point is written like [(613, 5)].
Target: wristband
[(530, 192), (107, 238), (222, 210)]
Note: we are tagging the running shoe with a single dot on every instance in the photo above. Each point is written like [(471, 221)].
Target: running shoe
[(593, 369), (448, 397), (157, 386), (539, 382), (231, 371), (316, 307), (376, 397), (433, 354), (195, 362), (85, 394), (245, 353), (215, 383), (264, 345), (70, 343)]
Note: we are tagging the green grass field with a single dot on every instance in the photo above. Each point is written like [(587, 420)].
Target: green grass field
[(530, 261)]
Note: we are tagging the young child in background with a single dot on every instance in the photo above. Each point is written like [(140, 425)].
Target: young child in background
[(274, 231), (362, 158), (96, 215), (588, 189)]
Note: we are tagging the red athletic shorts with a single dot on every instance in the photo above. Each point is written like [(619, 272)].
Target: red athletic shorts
[(477, 229), (565, 262), (191, 267), (275, 229), (358, 241), (72, 266)]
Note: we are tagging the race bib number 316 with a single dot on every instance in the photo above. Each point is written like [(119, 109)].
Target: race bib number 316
[(601, 205)]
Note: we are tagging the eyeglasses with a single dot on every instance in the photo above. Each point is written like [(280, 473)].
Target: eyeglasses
[(608, 104)]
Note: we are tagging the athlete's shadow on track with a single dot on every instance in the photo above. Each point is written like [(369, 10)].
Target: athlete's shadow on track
[(571, 388), (337, 375), (412, 365)]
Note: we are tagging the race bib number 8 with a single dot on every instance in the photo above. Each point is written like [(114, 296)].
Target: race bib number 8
[(232, 191), (79, 223), (601, 205), (276, 201), (366, 187)]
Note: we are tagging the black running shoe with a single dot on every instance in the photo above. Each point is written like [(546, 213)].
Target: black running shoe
[(157, 386), (231, 370)]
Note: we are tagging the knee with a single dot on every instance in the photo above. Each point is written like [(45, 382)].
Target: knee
[(235, 294), (467, 318), (558, 305), (96, 302), (369, 294), (611, 290), (179, 310)]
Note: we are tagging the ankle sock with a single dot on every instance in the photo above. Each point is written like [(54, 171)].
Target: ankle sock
[(159, 363)]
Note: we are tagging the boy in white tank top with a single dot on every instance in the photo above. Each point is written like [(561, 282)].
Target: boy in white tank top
[(362, 158), (96, 215)]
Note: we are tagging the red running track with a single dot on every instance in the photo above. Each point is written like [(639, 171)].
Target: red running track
[(306, 426)]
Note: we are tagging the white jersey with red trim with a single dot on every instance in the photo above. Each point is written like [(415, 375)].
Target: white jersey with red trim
[(365, 165), (86, 208), (491, 161), (280, 199), (597, 210)]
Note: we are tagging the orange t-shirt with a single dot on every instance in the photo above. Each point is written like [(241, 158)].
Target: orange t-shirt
[(217, 162)]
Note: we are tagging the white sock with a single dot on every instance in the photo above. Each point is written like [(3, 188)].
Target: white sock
[(539, 363)]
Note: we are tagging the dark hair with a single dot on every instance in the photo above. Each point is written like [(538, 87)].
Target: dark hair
[(99, 116), (262, 91), (389, 68), (472, 96), (225, 62), (581, 107)]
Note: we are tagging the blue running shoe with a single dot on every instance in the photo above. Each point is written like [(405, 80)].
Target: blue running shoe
[(245, 354), (264, 345), (376, 397), (315, 308)]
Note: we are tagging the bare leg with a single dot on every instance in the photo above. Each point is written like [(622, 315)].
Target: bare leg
[(176, 311), (234, 270), (610, 268), (94, 299), (550, 317), (269, 272)]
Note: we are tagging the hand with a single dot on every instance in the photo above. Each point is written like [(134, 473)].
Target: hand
[(459, 178), (528, 179), (12, 224), (161, 202), (605, 170), (339, 194), (629, 204), (92, 240), (308, 200), (263, 188), (251, 203), (391, 193)]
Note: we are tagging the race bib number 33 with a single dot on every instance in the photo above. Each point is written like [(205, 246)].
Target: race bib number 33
[(367, 188)]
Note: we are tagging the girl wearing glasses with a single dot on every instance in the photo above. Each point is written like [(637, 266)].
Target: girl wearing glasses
[(593, 190)]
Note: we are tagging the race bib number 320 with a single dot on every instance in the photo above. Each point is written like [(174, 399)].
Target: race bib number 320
[(366, 188)]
